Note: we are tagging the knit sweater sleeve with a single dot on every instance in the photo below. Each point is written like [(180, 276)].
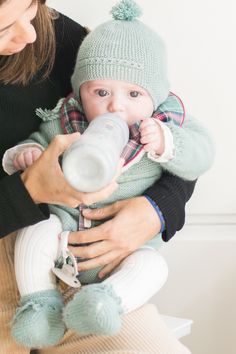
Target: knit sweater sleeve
[(171, 194), (13, 199), (194, 149), (49, 128), (194, 154)]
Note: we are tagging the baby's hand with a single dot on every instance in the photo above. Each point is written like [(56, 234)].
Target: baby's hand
[(152, 136), (26, 158)]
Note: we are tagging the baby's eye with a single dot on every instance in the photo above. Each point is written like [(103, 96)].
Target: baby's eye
[(134, 94), (102, 93)]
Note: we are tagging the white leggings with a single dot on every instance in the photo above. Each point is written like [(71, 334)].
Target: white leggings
[(135, 280)]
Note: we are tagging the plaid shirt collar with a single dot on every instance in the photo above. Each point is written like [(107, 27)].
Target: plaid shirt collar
[(74, 120)]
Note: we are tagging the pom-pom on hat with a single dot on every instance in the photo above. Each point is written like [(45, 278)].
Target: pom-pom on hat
[(124, 49)]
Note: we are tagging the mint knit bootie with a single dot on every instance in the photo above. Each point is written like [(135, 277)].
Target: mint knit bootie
[(95, 309), (38, 321)]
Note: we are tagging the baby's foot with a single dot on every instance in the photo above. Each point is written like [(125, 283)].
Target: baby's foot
[(95, 309), (38, 321)]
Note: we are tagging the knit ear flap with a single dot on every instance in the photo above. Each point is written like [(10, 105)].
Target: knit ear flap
[(50, 114), (126, 10)]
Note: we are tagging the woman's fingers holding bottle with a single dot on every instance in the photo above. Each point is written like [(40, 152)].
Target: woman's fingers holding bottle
[(60, 143), (94, 197), (45, 181)]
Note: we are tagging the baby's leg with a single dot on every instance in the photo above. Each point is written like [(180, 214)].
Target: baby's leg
[(38, 320), (140, 276), (97, 308)]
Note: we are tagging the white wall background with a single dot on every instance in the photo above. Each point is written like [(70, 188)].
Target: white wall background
[(200, 39), (201, 286)]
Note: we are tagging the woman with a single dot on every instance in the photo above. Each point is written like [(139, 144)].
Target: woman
[(30, 78)]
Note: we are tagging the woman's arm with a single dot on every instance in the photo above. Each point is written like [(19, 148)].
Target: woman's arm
[(171, 193), (43, 182), (17, 209)]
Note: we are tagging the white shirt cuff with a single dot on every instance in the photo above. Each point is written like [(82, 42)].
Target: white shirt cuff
[(169, 151)]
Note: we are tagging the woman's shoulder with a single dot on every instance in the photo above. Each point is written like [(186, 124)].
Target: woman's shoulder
[(68, 32)]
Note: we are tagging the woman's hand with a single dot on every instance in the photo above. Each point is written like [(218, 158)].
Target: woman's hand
[(45, 181), (134, 222)]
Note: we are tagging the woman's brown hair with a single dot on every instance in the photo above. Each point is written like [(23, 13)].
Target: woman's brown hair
[(20, 68)]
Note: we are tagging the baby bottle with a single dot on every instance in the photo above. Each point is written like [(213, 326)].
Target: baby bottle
[(90, 163)]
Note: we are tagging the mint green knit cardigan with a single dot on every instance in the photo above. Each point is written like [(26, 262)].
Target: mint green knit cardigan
[(194, 153)]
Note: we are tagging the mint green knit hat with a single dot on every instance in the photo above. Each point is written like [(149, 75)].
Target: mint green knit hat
[(124, 49)]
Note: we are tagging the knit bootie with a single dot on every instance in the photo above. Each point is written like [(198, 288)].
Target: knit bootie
[(38, 321), (95, 309)]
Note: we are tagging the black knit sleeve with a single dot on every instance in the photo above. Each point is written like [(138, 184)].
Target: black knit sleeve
[(171, 194), (17, 209)]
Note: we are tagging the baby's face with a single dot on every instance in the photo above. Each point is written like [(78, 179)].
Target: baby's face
[(131, 102)]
